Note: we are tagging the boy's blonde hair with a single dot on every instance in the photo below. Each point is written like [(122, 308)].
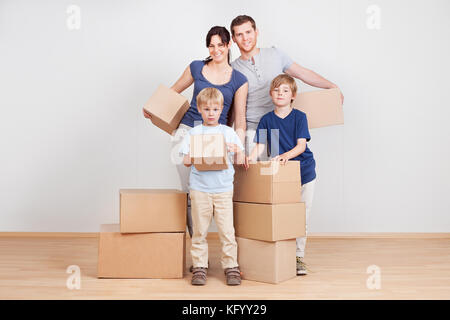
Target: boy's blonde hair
[(284, 79), (209, 95)]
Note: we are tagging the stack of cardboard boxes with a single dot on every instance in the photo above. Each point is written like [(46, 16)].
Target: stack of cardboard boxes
[(150, 241), (268, 216)]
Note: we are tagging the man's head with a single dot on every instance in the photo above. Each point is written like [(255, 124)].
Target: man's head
[(244, 32), (210, 105), (283, 90)]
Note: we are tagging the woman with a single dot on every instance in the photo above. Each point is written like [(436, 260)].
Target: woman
[(215, 71)]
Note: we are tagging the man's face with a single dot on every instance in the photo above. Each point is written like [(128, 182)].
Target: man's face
[(210, 113), (245, 36)]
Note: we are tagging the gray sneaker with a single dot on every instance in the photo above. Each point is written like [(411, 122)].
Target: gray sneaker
[(301, 267)]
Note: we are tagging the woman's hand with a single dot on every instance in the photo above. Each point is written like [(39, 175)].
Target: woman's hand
[(146, 114)]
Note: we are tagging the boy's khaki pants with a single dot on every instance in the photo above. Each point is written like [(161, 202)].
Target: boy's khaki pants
[(204, 206)]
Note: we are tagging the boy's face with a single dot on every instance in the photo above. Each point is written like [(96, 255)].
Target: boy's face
[(245, 37), (282, 96), (210, 113)]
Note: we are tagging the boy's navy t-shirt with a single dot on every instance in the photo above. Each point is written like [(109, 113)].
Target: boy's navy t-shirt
[(294, 126)]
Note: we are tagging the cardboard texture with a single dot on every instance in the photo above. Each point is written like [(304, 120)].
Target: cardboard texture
[(269, 222), (208, 152), (268, 182), (141, 255), (271, 262), (152, 210), (322, 107), (167, 108)]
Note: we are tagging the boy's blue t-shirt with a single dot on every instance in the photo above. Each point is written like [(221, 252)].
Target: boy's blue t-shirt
[(294, 126), (213, 181), (200, 82)]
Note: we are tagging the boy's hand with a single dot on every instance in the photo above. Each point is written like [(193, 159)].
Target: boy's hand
[(146, 114), (281, 158), (232, 147)]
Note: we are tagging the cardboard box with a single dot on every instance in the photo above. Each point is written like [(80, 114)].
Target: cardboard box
[(268, 182), (140, 255), (271, 262), (152, 210), (167, 108), (322, 107), (208, 152), (269, 222)]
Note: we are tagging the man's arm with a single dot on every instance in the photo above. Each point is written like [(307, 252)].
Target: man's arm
[(311, 78)]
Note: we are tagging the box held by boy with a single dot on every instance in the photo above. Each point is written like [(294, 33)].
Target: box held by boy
[(140, 255), (208, 152), (166, 108), (152, 210), (268, 182), (269, 222), (263, 261)]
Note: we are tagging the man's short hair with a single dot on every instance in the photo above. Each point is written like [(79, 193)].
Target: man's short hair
[(284, 79), (208, 96), (241, 20)]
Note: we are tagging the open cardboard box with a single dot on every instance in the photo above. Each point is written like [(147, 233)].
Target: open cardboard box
[(208, 152)]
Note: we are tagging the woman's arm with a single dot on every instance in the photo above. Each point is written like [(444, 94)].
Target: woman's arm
[(184, 81), (239, 106), (187, 160)]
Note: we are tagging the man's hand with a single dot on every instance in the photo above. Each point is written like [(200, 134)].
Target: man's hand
[(146, 114), (282, 158)]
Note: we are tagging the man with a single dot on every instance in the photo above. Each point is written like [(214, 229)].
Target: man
[(260, 66)]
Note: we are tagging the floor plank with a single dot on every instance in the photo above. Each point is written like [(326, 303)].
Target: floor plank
[(35, 268)]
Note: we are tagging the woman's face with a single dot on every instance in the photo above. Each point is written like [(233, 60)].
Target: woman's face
[(218, 50)]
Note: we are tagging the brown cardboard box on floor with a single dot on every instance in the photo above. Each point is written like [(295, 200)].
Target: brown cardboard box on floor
[(263, 261), (140, 255), (152, 210), (269, 222), (268, 182), (208, 152), (167, 108), (322, 107)]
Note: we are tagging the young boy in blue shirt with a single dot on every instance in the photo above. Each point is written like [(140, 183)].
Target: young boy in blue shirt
[(211, 192), (288, 128)]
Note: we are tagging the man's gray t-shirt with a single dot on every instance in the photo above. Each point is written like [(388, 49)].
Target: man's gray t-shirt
[(269, 63)]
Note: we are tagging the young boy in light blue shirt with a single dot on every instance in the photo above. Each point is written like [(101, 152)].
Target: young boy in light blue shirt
[(211, 192)]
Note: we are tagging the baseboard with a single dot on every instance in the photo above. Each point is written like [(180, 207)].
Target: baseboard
[(215, 235), (48, 234)]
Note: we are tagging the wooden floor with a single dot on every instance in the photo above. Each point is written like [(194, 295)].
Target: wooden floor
[(35, 268)]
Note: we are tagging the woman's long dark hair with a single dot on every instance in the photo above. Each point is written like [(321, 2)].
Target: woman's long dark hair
[(224, 35)]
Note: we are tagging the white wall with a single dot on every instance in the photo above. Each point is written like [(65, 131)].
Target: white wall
[(72, 132)]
